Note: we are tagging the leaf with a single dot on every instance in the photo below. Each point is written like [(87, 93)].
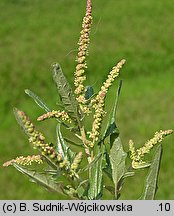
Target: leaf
[(62, 147), (117, 159), (152, 177), (38, 100), (111, 125), (65, 92), (96, 177), (41, 178)]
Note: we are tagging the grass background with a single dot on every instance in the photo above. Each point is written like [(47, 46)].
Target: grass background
[(34, 34)]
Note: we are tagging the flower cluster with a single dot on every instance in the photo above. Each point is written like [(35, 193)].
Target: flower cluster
[(138, 154), (76, 162), (38, 141), (25, 160), (61, 115), (99, 101), (81, 57), (35, 137)]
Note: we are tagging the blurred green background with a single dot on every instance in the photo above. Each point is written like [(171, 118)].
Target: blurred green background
[(34, 34)]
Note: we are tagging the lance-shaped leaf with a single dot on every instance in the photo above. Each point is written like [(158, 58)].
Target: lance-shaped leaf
[(152, 177), (96, 177), (42, 179), (62, 146), (111, 125), (117, 159), (65, 92), (38, 100)]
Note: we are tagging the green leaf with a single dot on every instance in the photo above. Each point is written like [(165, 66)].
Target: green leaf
[(65, 92), (111, 125), (62, 147), (41, 178), (117, 159), (38, 100), (96, 177), (152, 177)]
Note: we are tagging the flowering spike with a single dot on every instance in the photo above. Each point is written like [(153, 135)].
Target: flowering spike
[(76, 162), (158, 137), (35, 137), (82, 53), (138, 154), (62, 115), (99, 101), (132, 150), (25, 160)]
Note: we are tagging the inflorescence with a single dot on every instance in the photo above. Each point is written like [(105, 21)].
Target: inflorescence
[(83, 43), (137, 155), (46, 149), (98, 102), (61, 115), (25, 160)]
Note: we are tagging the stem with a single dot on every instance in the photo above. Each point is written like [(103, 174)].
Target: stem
[(86, 143)]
